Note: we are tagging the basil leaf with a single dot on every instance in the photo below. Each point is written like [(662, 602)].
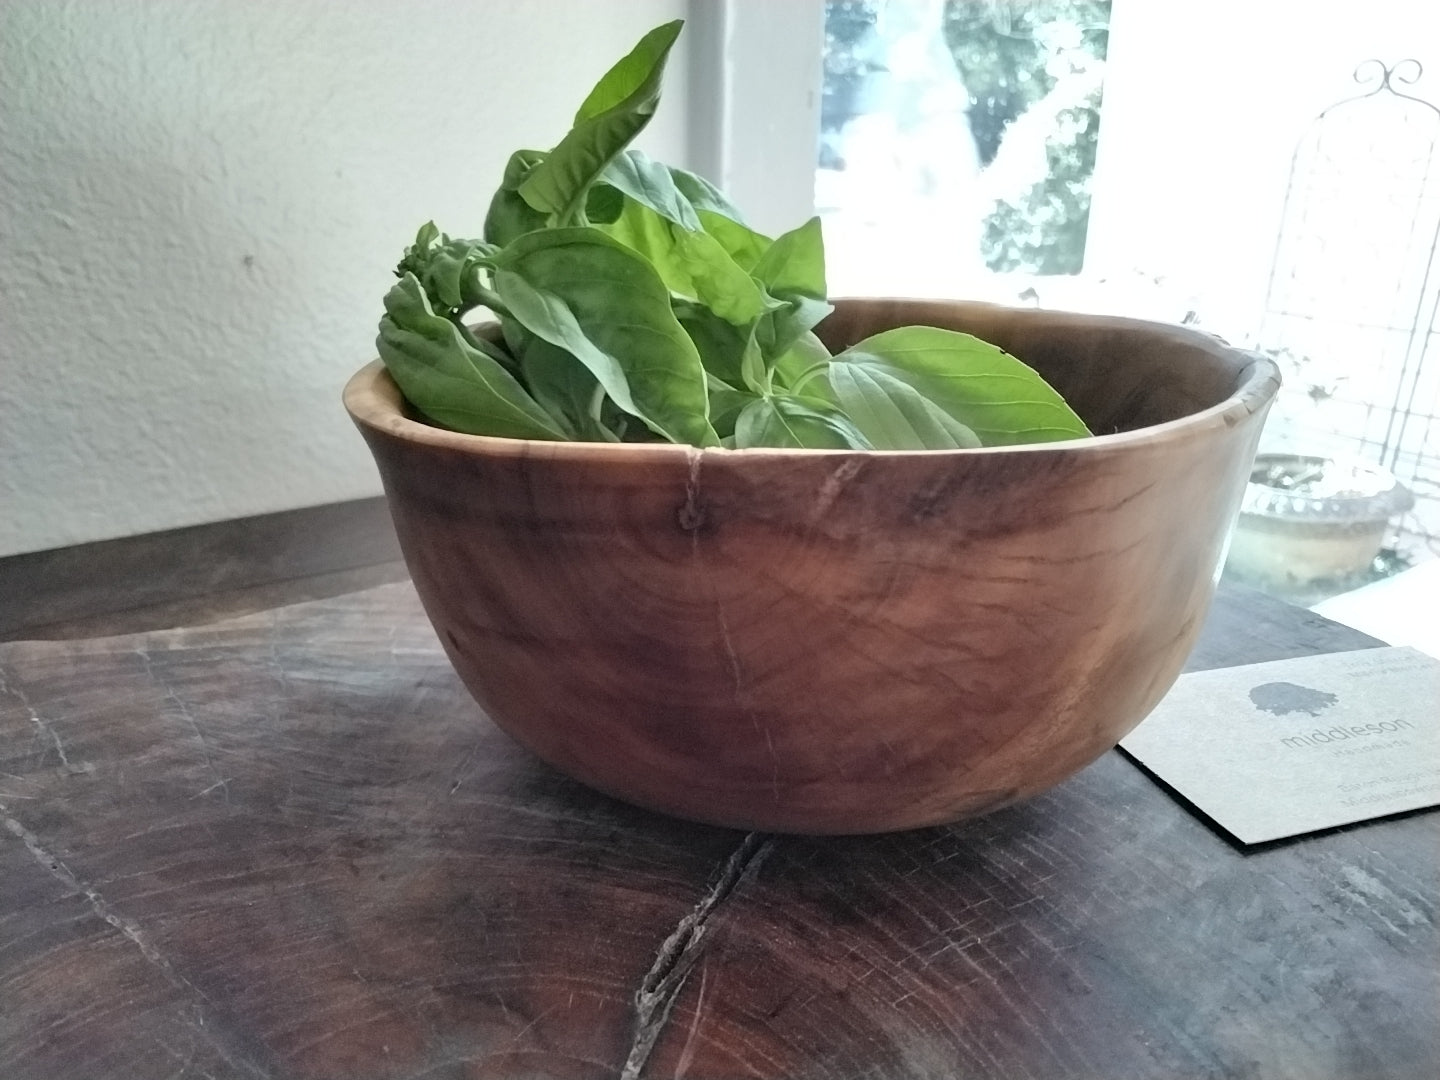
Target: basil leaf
[(721, 345), (659, 222), (743, 348), (726, 402), (1001, 399), (894, 415), (678, 196), (688, 200), (651, 184), (603, 205), (590, 295), (566, 389), (705, 196), (806, 354), (785, 422), (692, 264), (794, 265), (629, 76), (753, 371), (447, 377), (792, 270), (636, 304), (509, 215), (791, 320), (728, 352), (743, 244), (448, 270), (515, 336), (611, 116)]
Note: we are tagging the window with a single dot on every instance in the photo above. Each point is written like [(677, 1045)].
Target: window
[(1219, 167), (957, 142)]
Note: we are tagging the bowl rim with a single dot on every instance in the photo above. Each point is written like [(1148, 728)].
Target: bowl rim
[(374, 401)]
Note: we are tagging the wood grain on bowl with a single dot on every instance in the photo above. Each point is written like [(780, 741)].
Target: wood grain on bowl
[(838, 641)]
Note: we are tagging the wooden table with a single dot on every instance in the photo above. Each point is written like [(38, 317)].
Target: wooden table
[(288, 845)]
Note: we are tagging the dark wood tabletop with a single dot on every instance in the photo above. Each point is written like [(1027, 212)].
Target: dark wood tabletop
[(289, 845)]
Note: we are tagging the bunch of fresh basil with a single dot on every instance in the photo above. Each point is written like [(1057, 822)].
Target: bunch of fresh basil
[(634, 304)]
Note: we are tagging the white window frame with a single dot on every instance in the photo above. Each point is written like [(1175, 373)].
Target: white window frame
[(756, 68)]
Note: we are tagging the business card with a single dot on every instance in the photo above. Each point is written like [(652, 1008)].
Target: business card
[(1274, 750)]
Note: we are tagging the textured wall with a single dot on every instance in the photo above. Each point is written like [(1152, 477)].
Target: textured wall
[(200, 204)]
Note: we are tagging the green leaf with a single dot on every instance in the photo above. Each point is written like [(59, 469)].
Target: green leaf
[(789, 321), (806, 354), (659, 222), (494, 351), (611, 116), (726, 403), (741, 243), (705, 196), (785, 422), (999, 398), (631, 74), (566, 388), (893, 415), (590, 295), (792, 270), (515, 336), (603, 205), (447, 378), (651, 184), (729, 352), (510, 215), (794, 265), (692, 264), (753, 371), (680, 196), (744, 353), (721, 345), (424, 239), (448, 270)]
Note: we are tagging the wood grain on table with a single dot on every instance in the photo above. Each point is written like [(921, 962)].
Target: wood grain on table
[(290, 846)]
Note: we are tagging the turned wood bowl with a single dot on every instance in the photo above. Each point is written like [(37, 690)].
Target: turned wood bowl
[(832, 641)]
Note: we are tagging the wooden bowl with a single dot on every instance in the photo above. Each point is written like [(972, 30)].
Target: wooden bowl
[(839, 641)]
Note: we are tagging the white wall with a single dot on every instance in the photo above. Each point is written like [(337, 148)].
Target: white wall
[(200, 205)]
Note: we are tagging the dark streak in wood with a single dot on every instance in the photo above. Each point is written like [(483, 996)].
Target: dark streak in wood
[(678, 952)]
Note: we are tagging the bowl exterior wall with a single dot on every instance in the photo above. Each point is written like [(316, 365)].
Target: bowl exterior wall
[(829, 642)]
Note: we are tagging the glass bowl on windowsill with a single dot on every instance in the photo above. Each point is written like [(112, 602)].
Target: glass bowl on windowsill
[(1308, 521)]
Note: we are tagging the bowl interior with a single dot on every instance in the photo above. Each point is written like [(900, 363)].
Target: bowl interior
[(1118, 374)]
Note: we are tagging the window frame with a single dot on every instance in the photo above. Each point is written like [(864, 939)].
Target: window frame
[(754, 104)]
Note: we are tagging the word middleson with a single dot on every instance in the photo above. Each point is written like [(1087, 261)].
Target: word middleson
[(1342, 732)]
